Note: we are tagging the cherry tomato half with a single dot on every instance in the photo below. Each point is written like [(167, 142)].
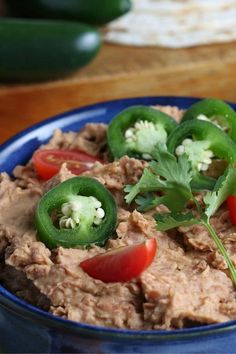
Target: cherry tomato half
[(231, 203), (47, 163), (121, 264)]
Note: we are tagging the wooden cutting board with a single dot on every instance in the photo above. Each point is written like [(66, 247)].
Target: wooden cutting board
[(120, 71)]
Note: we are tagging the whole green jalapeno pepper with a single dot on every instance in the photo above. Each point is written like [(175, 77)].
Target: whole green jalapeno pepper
[(36, 50), (77, 213), (136, 130), (203, 142), (217, 112), (88, 11)]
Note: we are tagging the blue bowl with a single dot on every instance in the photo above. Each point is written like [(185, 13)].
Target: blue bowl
[(27, 329)]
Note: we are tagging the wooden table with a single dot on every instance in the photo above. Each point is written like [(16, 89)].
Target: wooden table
[(120, 71)]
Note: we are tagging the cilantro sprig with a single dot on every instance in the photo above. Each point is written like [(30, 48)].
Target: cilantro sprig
[(172, 179)]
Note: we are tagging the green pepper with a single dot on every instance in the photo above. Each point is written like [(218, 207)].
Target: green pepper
[(136, 130), (77, 213), (42, 50), (88, 11), (217, 112), (202, 141)]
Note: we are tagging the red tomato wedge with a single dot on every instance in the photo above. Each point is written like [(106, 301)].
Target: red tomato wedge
[(47, 163), (231, 203), (121, 264)]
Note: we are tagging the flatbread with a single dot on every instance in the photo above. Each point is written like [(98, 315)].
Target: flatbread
[(175, 23)]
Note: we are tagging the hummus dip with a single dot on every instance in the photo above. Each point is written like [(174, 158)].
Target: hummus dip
[(186, 285)]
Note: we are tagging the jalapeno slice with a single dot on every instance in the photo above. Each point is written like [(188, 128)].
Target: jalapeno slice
[(217, 111), (77, 213), (136, 130), (202, 141)]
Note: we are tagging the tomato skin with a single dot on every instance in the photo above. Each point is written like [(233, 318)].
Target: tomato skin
[(121, 264), (47, 163), (231, 204)]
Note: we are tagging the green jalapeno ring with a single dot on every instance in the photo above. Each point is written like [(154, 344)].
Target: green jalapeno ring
[(53, 237), (220, 144), (126, 119), (214, 108)]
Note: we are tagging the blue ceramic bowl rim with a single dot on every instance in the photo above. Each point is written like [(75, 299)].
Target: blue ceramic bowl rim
[(27, 311)]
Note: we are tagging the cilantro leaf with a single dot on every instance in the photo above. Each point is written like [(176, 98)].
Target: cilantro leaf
[(225, 185), (168, 175), (147, 201), (147, 183), (173, 170), (169, 221)]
